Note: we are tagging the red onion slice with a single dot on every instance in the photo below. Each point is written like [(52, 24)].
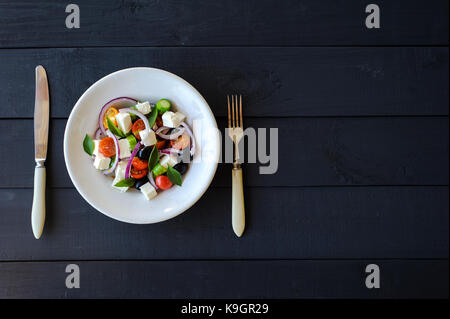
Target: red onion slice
[(169, 136), (98, 134), (107, 105), (133, 154), (191, 135), (116, 160), (161, 129), (152, 180), (139, 114), (170, 150)]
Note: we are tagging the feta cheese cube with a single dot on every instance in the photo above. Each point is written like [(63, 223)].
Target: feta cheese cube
[(170, 160), (124, 148), (171, 119), (180, 117), (120, 175), (148, 190), (101, 162), (95, 152), (144, 107), (124, 122), (148, 138)]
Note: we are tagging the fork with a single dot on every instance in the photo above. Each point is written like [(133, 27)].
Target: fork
[(236, 132)]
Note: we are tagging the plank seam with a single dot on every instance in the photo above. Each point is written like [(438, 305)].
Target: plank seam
[(280, 186), (436, 116), (430, 45), (227, 260)]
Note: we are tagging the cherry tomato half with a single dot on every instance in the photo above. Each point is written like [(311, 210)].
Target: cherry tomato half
[(139, 164), (161, 144), (163, 182), (107, 147), (138, 173), (159, 121), (111, 112), (137, 127)]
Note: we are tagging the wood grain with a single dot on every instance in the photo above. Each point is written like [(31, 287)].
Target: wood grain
[(274, 81), (312, 152), (225, 279), (363, 151), (224, 23), (311, 223)]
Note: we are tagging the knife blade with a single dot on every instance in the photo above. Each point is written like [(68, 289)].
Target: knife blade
[(41, 119), (41, 115)]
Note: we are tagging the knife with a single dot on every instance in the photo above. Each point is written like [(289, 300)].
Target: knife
[(41, 118)]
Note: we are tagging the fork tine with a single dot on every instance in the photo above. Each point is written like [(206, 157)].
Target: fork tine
[(240, 111), (237, 110), (232, 108), (229, 115)]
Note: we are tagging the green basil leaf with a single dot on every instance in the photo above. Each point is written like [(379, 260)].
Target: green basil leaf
[(152, 117), (88, 145), (112, 161), (174, 175), (153, 158), (125, 183), (114, 129)]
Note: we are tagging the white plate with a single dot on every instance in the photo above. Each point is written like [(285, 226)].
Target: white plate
[(144, 84)]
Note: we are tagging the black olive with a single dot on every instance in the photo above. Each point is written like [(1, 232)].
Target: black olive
[(181, 168), (144, 153), (139, 182)]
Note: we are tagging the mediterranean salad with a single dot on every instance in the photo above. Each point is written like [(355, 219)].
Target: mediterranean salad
[(146, 146)]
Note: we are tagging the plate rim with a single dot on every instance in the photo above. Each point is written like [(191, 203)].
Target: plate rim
[(70, 119)]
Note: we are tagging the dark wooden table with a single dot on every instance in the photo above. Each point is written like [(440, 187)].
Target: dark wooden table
[(363, 154)]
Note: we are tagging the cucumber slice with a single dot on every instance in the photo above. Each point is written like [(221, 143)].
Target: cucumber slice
[(163, 106), (134, 117), (131, 141), (159, 170)]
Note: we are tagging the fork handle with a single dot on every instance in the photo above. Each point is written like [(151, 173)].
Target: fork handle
[(237, 204)]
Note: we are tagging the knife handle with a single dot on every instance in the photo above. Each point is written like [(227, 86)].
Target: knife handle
[(237, 202), (38, 208)]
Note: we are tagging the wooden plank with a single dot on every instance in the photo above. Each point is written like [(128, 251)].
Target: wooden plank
[(312, 152), (304, 223), (225, 23), (225, 279), (274, 81)]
